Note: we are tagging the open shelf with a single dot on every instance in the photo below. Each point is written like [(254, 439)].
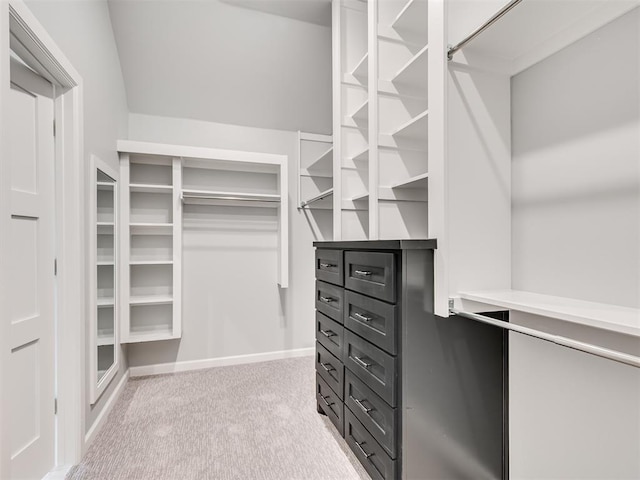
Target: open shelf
[(151, 228), (414, 72), (105, 185), (361, 71), (148, 188), (412, 17), (362, 156), (105, 263), (597, 315), (414, 128), (205, 197), (105, 302), (150, 299), (321, 196), (151, 262), (362, 113), (105, 338), (151, 336), (323, 162), (417, 181)]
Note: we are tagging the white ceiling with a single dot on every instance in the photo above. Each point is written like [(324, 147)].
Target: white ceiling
[(259, 63)]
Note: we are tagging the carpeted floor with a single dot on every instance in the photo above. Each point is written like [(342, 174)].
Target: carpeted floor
[(245, 422)]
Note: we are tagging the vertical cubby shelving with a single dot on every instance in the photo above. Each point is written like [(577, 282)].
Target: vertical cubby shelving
[(315, 182), (381, 128), (151, 256)]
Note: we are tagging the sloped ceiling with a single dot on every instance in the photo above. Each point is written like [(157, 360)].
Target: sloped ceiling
[(258, 63)]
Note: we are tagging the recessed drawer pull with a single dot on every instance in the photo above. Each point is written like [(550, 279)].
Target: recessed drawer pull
[(329, 368), (359, 316), (328, 265), (325, 401), (360, 404), (327, 333), (361, 362), (363, 273), (366, 455), (327, 299)]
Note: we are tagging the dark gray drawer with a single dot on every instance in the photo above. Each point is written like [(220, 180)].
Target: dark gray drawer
[(330, 404), (330, 369), (330, 334), (373, 412), (372, 319), (374, 367), (329, 300), (371, 455), (329, 266), (371, 273)]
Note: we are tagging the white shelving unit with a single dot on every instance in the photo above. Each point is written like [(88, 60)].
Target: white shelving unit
[(151, 235), (163, 179), (315, 182), (381, 118), (352, 108), (103, 281)]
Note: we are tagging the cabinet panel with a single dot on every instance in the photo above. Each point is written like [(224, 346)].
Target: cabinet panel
[(329, 266), (374, 367), (330, 334), (329, 300), (372, 319), (374, 413), (330, 404), (371, 273), (369, 452), (330, 369)]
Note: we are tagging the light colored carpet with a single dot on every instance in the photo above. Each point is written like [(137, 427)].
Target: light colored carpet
[(244, 422)]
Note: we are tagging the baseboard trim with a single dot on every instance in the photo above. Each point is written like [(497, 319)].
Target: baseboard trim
[(161, 368), (108, 406)]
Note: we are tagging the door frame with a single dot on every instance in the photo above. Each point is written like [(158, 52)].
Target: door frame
[(20, 30)]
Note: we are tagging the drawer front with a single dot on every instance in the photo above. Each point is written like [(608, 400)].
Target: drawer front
[(371, 455), (330, 369), (374, 367), (330, 404), (372, 319), (330, 334), (329, 266), (371, 273), (329, 300), (378, 418)]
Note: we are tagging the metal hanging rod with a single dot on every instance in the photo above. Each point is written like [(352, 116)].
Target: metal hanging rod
[(501, 13), (316, 198), (224, 197), (563, 341)]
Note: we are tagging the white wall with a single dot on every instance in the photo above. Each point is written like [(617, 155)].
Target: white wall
[(231, 302), (83, 32), (219, 62), (575, 233), (576, 169)]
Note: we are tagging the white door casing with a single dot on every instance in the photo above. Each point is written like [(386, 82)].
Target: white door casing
[(31, 369)]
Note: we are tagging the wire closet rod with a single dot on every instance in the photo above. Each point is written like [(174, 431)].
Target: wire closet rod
[(563, 341), (316, 199), (501, 13)]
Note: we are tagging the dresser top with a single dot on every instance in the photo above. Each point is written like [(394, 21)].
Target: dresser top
[(427, 244)]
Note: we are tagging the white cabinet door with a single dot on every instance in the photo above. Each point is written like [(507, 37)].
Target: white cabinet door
[(32, 280)]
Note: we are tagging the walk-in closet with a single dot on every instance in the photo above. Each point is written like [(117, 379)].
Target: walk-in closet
[(320, 239)]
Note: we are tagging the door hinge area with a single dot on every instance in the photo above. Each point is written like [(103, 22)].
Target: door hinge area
[(54, 128), (55, 406), (55, 266)]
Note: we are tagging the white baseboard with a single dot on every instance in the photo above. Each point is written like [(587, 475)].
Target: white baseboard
[(58, 473), (102, 417), (186, 366)]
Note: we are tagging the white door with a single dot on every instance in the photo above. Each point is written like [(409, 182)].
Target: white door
[(32, 280)]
